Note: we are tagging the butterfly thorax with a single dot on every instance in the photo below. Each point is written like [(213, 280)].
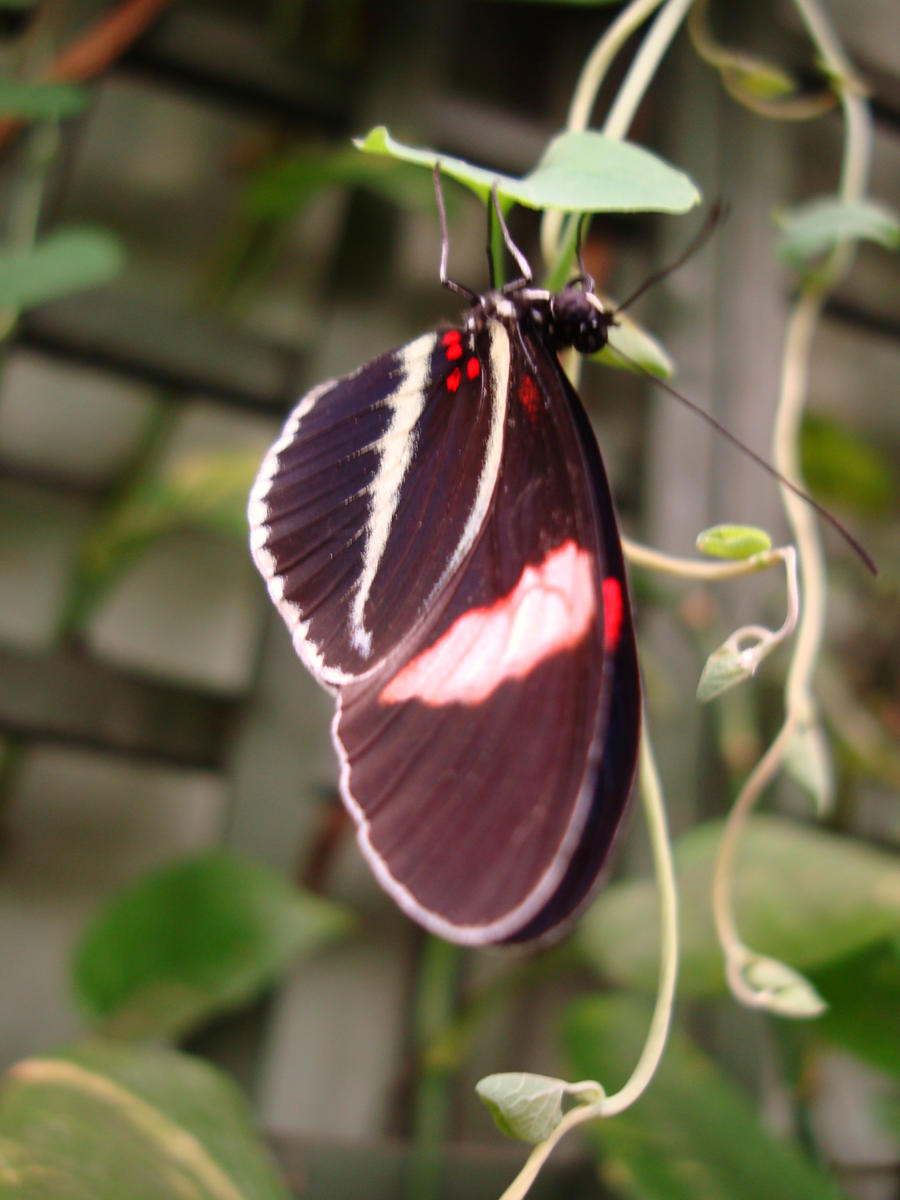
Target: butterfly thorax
[(571, 317)]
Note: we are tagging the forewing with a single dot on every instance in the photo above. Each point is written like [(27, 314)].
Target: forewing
[(374, 492), (473, 755)]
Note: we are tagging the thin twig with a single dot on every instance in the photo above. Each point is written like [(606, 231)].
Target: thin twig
[(94, 51)]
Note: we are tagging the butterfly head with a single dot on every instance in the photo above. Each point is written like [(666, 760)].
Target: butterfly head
[(577, 318), (571, 317)]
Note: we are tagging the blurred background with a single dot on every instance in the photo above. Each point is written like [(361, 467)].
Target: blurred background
[(150, 703)]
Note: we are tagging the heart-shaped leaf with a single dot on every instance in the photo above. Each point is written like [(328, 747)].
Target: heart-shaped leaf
[(529, 1107), (578, 172), (803, 896), (193, 939), (109, 1121), (66, 261), (733, 541)]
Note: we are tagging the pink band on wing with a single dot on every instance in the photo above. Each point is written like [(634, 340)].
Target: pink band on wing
[(549, 610)]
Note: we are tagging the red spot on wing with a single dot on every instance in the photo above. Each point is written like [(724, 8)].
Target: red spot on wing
[(473, 366), (454, 350), (550, 610), (612, 612), (529, 398), (450, 337), (454, 379)]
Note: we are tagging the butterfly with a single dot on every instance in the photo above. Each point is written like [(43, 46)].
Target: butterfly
[(437, 531)]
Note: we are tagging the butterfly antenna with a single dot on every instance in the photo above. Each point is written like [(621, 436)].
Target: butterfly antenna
[(451, 284), (823, 512), (521, 261), (717, 213)]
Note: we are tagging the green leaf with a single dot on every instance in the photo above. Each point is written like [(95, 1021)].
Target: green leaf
[(803, 896), (755, 78), (641, 349), (66, 261), (724, 668), (102, 1122), (693, 1133), (863, 996), (41, 101), (739, 657), (753, 81), (733, 541), (785, 992), (815, 228), (194, 939), (807, 760), (579, 172), (840, 467), (529, 1107)]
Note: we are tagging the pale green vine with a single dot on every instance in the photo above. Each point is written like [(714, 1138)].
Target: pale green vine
[(754, 979), (596, 1103), (742, 964)]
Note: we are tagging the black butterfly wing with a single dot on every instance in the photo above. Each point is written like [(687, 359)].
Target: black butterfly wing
[(618, 740), (371, 497), (487, 758)]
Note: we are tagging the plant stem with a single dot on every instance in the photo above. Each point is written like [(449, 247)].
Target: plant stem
[(608, 1106), (640, 555), (644, 67), (450, 1043), (798, 353), (800, 705), (435, 995), (601, 58), (799, 701), (661, 847), (723, 909)]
